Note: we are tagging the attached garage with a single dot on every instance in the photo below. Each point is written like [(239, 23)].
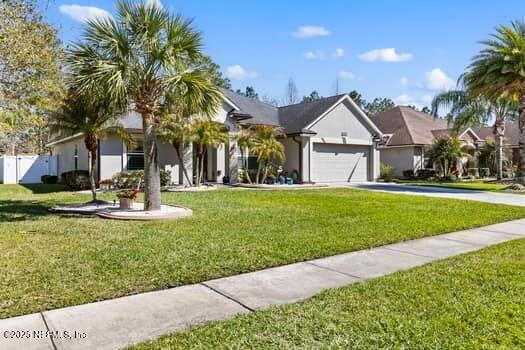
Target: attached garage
[(340, 162)]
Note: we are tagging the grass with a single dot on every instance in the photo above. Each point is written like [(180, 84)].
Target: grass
[(49, 261), (472, 301), (465, 185)]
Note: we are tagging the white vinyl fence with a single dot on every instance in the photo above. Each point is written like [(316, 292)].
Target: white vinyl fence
[(26, 169)]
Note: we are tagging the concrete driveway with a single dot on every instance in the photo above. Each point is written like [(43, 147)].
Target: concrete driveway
[(442, 192)]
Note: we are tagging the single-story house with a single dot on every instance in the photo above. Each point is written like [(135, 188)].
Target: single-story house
[(328, 140), (408, 133)]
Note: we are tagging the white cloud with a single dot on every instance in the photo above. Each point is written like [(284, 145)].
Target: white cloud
[(314, 55), (426, 99), (310, 32), (83, 13), (237, 72), (403, 99), (385, 55), (157, 3), (347, 75), (437, 80), (339, 53), (403, 81)]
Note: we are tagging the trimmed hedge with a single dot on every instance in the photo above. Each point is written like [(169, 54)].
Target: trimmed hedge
[(76, 180), (129, 179), (408, 174), (484, 172)]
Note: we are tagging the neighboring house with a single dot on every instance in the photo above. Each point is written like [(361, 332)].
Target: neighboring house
[(407, 134), (328, 140)]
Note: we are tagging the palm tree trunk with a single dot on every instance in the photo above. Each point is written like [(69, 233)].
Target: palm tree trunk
[(265, 174), (499, 156), (91, 143), (151, 164), (521, 166), (201, 165), (245, 168), (178, 150), (258, 173)]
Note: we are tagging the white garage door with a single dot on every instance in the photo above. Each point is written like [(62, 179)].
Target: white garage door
[(339, 163)]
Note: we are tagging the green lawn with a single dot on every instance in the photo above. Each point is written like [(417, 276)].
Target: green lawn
[(473, 301), (49, 261), (467, 185)]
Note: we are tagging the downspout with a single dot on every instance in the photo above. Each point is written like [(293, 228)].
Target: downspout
[(300, 158)]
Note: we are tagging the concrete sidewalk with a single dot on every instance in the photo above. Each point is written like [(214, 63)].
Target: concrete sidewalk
[(113, 324)]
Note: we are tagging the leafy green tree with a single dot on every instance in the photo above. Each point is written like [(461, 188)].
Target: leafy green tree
[(206, 133), (378, 105), (139, 59), (357, 98), (249, 91), (213, 69), (30, 75), (95, 117), (314, 95), (499, 71), (426, 110)]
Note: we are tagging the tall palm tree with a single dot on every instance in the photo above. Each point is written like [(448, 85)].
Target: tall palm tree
[(177, 114), (244, 140), (499, 71), (466, 109), (206, 133), (93, 117), (267, 148), (139, 59)]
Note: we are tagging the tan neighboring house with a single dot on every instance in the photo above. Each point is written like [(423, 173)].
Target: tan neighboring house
[(327, 140), (407, 135)]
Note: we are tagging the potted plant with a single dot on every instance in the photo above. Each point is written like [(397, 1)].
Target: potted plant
[(127, 198)]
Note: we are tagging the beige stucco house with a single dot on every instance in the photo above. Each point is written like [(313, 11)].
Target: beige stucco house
[(328, 140), (408, 133)]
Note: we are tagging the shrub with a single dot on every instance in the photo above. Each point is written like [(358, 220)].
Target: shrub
[(129, 179), (386, 172), (473, 172), (49, 179), (470, 177), (450, 178), (408, 174), (76, 179), (484, 172), (508, 174), (425, 173)]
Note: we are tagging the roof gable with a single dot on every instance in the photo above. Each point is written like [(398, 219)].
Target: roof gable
[(408, 126)]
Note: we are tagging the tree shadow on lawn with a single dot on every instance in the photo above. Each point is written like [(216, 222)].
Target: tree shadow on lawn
[(19, 210), (46, 188)]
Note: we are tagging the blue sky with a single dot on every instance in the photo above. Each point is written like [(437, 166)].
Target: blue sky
[(404, 50)]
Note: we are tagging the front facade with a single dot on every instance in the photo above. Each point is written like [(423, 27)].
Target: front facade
[(407, 134), (328, 140)]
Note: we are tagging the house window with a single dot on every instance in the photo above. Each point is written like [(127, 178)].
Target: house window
[(248, 162), (75, 157), (135, 156)]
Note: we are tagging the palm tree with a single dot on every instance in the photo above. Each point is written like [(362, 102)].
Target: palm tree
[(178, 111), (466, 109), (446, 152), (95, 118), (267, 148), (499, 71), (139, 59), (206, 133), (244, 140)]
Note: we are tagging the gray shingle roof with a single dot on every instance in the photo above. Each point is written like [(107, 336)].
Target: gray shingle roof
[(262, 113), (295, 118)]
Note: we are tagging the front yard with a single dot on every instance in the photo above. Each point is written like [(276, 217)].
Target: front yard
[(50, 261), (473, 301)]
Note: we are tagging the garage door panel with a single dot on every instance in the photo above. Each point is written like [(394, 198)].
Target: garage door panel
[(339, 163)]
